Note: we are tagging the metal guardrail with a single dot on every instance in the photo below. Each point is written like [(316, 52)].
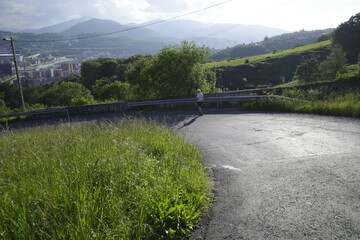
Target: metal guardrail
[(211, 99), (192, 100), (81, 109)]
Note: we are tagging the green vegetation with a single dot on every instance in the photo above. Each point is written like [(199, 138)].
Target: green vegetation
[(323, 101), (348, 36), (274, 44), (175, 71), (311, 69), (127, 180), (256, 58)]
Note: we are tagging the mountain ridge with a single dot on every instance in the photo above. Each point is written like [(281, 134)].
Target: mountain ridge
[(168, 31)]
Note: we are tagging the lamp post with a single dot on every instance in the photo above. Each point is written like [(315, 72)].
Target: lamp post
[(17, 73)]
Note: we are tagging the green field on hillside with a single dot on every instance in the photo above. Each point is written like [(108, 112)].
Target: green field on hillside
[(251, 59)]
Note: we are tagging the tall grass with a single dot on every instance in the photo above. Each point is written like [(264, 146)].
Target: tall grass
[(126, 180), (321, 102)]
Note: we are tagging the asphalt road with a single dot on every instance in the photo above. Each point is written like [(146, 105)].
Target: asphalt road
[(280, 176)]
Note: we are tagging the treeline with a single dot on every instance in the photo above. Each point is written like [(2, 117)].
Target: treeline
[(175, 71)]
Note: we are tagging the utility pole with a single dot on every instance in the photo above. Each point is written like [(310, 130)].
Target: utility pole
[(17, 74)]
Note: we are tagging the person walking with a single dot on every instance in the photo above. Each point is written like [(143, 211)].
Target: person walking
[(200, 101)]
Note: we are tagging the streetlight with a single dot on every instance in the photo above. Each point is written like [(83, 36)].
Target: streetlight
[(17, 73)]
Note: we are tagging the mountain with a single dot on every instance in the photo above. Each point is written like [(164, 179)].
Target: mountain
[(101, 26), (237, 33), (57, 28)]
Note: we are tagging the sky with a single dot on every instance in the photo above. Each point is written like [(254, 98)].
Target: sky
[(291, 15)]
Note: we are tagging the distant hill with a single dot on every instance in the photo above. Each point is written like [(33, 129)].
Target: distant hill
[(233, 34), (272, 44), (96, 26), (57, 28)]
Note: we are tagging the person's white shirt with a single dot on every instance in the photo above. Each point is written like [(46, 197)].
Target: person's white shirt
[(200, 97)]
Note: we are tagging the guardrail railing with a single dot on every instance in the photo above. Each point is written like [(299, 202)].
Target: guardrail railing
[(111, 107)]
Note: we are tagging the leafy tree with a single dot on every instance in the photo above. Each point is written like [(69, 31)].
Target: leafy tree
[(10, 94), (98, 86), (139, 76), (307, 71), (73, 78), (90, 72), (334, 64), (324, 37), (175, 71), (32, 94), (348, 36), (108, 67), (116, 90), (62, 94)]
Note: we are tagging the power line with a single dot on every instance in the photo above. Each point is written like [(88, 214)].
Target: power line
[(132, 28), (251, 19)]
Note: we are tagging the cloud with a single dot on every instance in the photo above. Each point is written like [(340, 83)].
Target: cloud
[(287, 14), (167, 6)]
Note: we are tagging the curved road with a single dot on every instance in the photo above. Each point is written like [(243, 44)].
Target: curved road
[(278, 176)]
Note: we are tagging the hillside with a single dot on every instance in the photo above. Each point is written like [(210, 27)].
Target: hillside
[(272, 44), (107, 26), (265, 70)]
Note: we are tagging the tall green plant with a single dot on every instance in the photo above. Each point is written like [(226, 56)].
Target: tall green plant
[(334, 64), (307, 71)]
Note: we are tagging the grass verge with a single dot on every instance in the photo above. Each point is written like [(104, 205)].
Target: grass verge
[(335, 104), (128, 180)]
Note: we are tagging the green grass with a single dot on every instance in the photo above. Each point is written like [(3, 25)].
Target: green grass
[(262, 57), (128, 180), (323, 103)]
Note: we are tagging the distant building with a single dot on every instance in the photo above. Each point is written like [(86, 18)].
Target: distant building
[(5, 69), (9, 57)]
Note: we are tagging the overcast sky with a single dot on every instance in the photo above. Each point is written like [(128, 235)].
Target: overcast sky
[(292, 15)]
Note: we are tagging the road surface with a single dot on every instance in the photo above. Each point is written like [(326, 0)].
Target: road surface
[(280, 176)]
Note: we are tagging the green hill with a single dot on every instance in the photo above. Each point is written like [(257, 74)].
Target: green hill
[(266, 69), (273, 44)]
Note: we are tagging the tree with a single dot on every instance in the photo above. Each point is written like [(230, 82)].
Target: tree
[(139, 76), (116, 90), (307, 71), (108, 67), (90, 72), (65, 94), (348, 36), (98, 86), (10, 94), (175, 71), (334, 64)]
